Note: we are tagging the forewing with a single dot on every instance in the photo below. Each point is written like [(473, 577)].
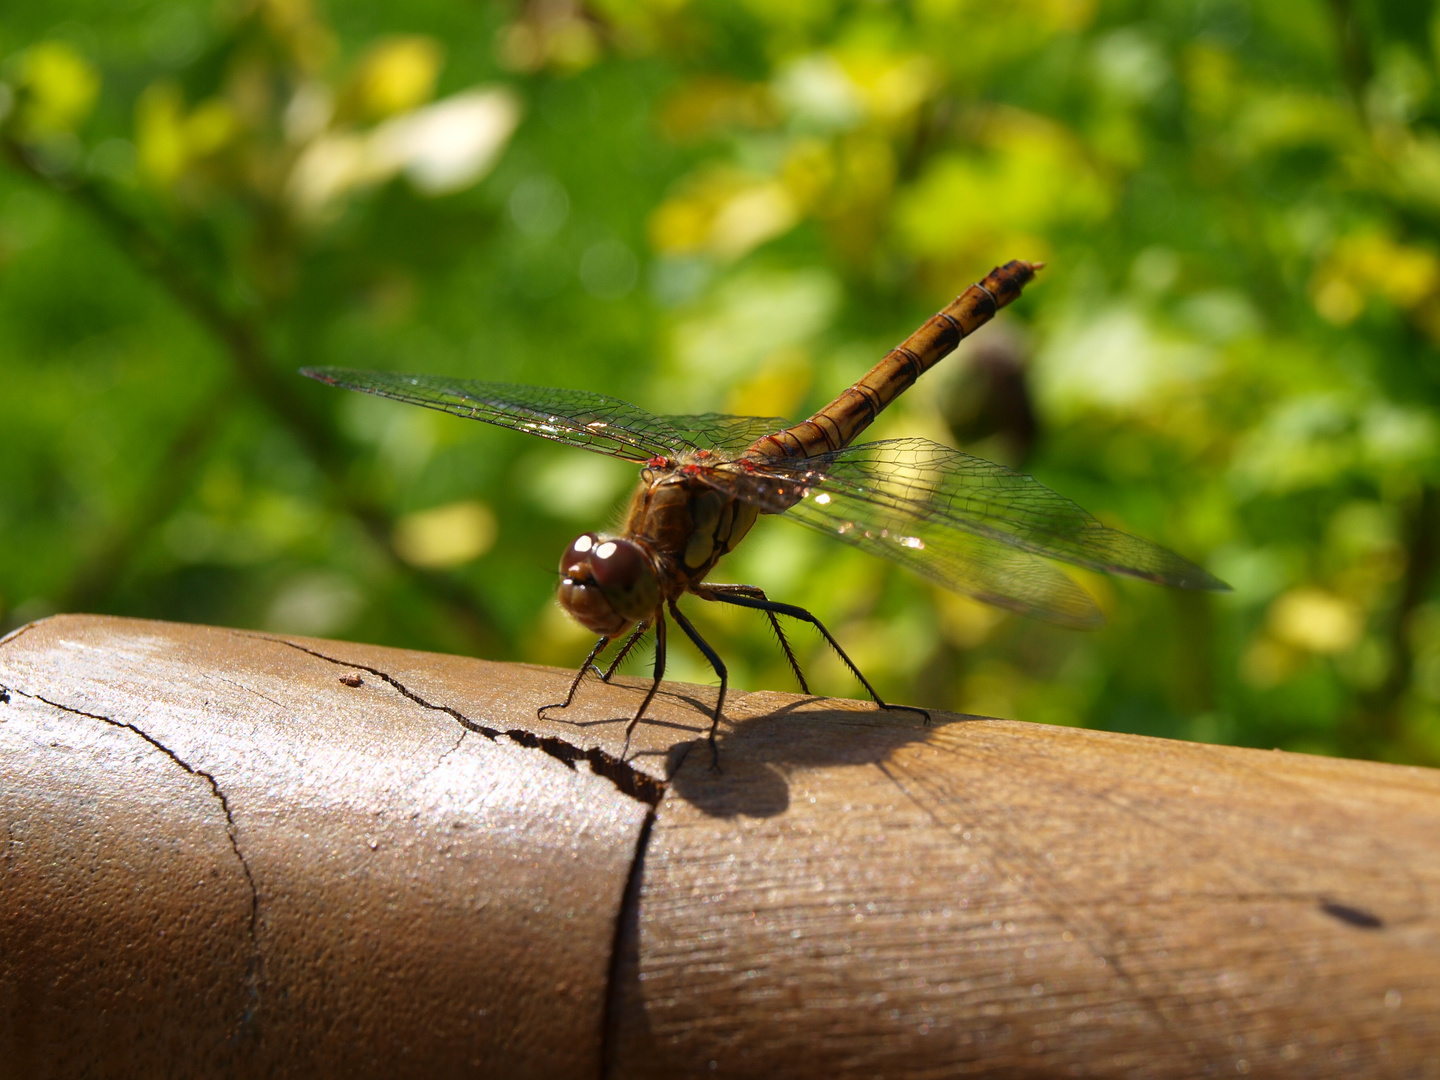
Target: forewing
[(591, 421), (966, 523), (720, 431)]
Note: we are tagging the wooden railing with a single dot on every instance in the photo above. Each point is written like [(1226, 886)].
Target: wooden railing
[(232, 853)]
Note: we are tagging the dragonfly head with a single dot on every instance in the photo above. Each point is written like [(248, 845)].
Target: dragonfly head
[(607, 584)]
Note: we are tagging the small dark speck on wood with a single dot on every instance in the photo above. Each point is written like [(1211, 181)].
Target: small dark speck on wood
[(1352, 915), (353, 679)]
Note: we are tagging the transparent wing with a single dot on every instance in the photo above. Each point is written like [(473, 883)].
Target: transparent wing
[(719, 431), (580, 418), (979, 566), (966, 523), (591, 421)]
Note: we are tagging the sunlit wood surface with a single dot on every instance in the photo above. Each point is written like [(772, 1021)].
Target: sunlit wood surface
[(231, 853)]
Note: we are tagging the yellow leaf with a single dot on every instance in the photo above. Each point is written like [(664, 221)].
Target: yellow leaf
[(60, 85), (1030, 177), (396, 75), (724, 212), (160, 133), (1316, 621), (210, 127), (446, 535), (1366, 264)]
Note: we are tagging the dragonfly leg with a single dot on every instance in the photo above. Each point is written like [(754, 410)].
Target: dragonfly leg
[(718, 665), (659, 621), (759, 594), (804, 616), (588, 665), (630, 643)]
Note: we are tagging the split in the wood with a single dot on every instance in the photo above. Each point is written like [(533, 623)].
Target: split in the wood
[(626, 778), (252, 974)]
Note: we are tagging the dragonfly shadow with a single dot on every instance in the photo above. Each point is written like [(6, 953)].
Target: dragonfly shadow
[(652, 736), (757, 754)]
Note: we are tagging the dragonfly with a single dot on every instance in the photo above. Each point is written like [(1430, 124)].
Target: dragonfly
[(960, 521)]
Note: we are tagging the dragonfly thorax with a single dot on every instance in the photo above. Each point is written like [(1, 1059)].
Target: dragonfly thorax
[(607, 583)]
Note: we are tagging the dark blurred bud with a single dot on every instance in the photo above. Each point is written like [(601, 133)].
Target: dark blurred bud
[(990, 399)]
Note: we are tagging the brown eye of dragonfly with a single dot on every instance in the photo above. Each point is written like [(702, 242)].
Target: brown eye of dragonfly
[(577, 555), (607, 584), (616, 564)]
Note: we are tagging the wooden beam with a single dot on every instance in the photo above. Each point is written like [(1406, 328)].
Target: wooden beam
[(230, 853)]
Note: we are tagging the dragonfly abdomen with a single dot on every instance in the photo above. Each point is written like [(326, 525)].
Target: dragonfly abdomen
[(838, 424)]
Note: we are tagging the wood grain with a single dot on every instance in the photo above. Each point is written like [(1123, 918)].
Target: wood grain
[(415, 876)]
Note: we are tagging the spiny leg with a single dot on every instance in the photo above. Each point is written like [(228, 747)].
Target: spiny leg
[(659, 621), (805, 616), (575, 684), (630, 643), (718, 665), (759, 594)]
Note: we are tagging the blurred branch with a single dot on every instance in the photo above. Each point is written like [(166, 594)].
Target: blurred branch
[(1354, 56), (932, 122), (1381, 720), (260, 376)]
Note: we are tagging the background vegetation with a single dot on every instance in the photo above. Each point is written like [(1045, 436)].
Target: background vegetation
[(710, 204)]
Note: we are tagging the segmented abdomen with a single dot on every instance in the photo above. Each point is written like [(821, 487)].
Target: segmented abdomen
[(838, 423)]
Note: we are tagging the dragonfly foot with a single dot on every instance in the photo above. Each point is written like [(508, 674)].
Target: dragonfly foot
[(540, 713), (714, 753), (906, 708)]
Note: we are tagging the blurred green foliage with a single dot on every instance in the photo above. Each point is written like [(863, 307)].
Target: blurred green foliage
[(716, 205)]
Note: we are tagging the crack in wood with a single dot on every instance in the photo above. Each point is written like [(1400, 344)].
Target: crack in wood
[(625, 777), (13, 634), (252, 973), (439, 761), (249, 690), (624, 946)]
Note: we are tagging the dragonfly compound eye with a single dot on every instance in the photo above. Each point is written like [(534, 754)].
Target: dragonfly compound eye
[(607, 584), (578, 553), (618, 566)]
